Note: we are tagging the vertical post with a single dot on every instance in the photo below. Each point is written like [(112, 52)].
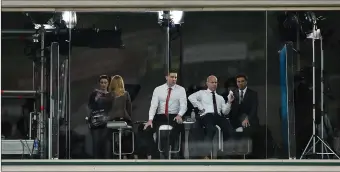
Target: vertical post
[(51, 108), (42, 118), (180, 56), (166, 17), (314, 105), (322, 104), (298, 60), (68, 123), (54, 102)]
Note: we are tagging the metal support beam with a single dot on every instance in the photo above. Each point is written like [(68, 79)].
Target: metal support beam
[(166, 22), (43, 118), (18, 31), (18, 97), (19, 92), (29, 31)]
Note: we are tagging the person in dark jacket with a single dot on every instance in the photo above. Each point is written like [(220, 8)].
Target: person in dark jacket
[(101, 100)]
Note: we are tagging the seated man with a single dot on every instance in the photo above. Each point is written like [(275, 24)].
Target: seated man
[(168, 105), (212, 107), (244, 108)]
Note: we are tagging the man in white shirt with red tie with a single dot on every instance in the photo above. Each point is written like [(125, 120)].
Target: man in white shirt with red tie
[(168, 105), (212, 109)]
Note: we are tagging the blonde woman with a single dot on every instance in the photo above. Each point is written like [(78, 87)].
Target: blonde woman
[(122, 108)]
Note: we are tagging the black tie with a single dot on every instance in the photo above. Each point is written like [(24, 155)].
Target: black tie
[(214, 102), (241, 96)]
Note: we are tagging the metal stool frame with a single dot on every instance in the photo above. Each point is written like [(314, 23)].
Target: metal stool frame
[(159, 141)]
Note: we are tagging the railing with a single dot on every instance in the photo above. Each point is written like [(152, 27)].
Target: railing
[(170, 165)]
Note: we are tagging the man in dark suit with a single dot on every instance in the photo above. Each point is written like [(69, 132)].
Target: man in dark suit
[(244, 107)]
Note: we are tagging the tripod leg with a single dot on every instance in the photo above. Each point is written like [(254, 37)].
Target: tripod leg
[(329, 148), (304, 151), (310, 149), (326, 150)]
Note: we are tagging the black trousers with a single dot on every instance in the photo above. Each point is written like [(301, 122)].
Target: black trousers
[(101, 138), (161, 119), (209, 121)]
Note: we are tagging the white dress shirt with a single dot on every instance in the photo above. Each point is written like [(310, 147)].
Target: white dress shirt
[(203, 100), (177, 102)]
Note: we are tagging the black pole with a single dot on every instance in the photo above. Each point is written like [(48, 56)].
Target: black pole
[(180, 55)]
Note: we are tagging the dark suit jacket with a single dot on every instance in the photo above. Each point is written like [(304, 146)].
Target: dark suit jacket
[(248, 108)]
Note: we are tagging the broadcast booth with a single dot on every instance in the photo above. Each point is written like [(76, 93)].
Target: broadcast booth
[(47, 105)]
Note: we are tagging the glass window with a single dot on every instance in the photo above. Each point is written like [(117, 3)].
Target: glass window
[(246, 77), (227, 44)]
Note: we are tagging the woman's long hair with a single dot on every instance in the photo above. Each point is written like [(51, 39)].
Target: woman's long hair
[(117, 85)]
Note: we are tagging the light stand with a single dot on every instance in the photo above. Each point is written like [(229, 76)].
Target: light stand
[(314, 139), (169, 19)]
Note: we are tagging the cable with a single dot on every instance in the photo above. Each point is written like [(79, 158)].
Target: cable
[(25, 144), (23, 149)]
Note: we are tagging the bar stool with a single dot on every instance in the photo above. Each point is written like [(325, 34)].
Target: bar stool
[(240, 130), (168, 128), (121, 126), (238, 145)]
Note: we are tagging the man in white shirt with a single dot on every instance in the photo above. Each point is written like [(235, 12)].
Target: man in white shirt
[(168, 105), (212, 109)]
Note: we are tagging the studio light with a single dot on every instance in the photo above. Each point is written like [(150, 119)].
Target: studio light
[(70, 19), (176, 17), (46, 26), (316, 34)]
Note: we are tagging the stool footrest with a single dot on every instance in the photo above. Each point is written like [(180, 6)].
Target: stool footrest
[(120, 132)]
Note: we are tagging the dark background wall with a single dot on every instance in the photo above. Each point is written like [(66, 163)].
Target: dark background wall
[(219, 43)]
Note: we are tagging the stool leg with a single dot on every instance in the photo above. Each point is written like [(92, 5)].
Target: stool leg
[(113, 144), (133, 142), (120, 144), (159, 141), (186, 152)]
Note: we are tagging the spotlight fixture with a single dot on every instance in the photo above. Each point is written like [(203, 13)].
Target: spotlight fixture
[(46, 26), (306, 23), (70, 18), (175, 17), (316, 34)]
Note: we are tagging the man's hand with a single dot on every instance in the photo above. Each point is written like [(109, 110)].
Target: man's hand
[(231, 99), (149, 123), (178, 119), (245, 123)]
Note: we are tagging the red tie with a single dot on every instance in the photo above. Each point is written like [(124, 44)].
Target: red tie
[(167, 102)]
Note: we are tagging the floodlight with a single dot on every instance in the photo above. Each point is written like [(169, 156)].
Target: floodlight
[(70, 18), (176, 17)]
